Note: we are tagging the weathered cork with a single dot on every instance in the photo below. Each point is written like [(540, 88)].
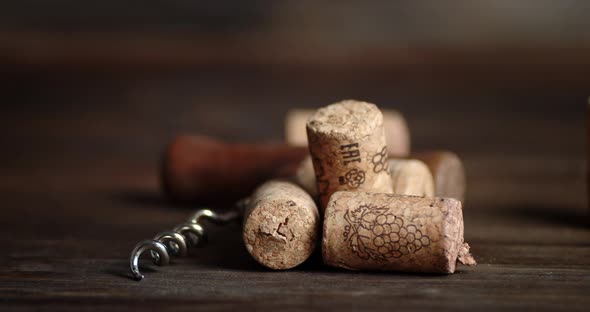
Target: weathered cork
[(305, 177), (348, 150), (369, 231), (411, 177), (448, 173), (397, 134), (281, 225)]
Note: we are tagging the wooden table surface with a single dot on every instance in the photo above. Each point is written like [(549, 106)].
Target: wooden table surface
[(79, 188)]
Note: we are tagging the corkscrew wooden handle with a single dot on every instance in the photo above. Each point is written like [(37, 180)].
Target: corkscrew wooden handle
[(200, 169)]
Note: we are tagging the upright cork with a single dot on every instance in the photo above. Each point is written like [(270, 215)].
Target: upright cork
[(448, 173), (411, 177), (281, 225), (397, 134), (369, 231), (348, 150)]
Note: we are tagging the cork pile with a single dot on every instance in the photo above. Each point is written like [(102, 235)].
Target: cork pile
[(378, 206)]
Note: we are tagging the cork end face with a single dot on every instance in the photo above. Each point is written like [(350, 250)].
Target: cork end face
[(305, 177), (295, 121), (397, 133), (280, 234), (341, 117), (465, 257), (411, 177), (450, 178), (452, 227)]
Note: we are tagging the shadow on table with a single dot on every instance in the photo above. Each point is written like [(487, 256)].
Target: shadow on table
[(563, 216), (147, 198)]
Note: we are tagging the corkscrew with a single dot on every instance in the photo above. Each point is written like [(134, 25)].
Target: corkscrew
[(186, 235)]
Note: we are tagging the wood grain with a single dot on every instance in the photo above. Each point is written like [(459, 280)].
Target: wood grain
[(79, 187), (504, 65)]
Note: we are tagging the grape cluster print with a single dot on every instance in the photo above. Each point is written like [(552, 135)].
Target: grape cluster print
[(379, 161), (374, 233), (353, 178)]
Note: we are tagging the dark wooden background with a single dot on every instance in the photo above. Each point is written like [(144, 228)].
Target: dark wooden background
[(91, 93)]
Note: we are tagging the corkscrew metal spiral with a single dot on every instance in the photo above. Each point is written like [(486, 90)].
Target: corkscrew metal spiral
[(177, 241)]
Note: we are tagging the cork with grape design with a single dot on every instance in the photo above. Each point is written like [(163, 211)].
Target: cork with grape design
[(348, 149), (372, 231)]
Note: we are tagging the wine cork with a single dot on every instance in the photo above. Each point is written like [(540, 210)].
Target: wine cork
[(411, 177), (305, 177), (397, 134), (369, 231), (281, 225), (448, 173), (348, 151)]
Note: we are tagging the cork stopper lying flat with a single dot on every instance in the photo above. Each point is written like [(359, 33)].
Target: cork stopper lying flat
[(397, 133), (281, 225), (368, 231), (305, 177), (448, 173), (348, 151), (411, 177)]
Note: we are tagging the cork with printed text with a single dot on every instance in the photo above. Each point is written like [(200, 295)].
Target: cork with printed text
[(348, 149), (368, 231)]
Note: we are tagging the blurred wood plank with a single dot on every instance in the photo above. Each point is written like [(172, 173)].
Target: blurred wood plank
[(506, 64), (79, 187)]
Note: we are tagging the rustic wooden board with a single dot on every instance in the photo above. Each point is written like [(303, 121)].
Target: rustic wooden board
[(79, 188)]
